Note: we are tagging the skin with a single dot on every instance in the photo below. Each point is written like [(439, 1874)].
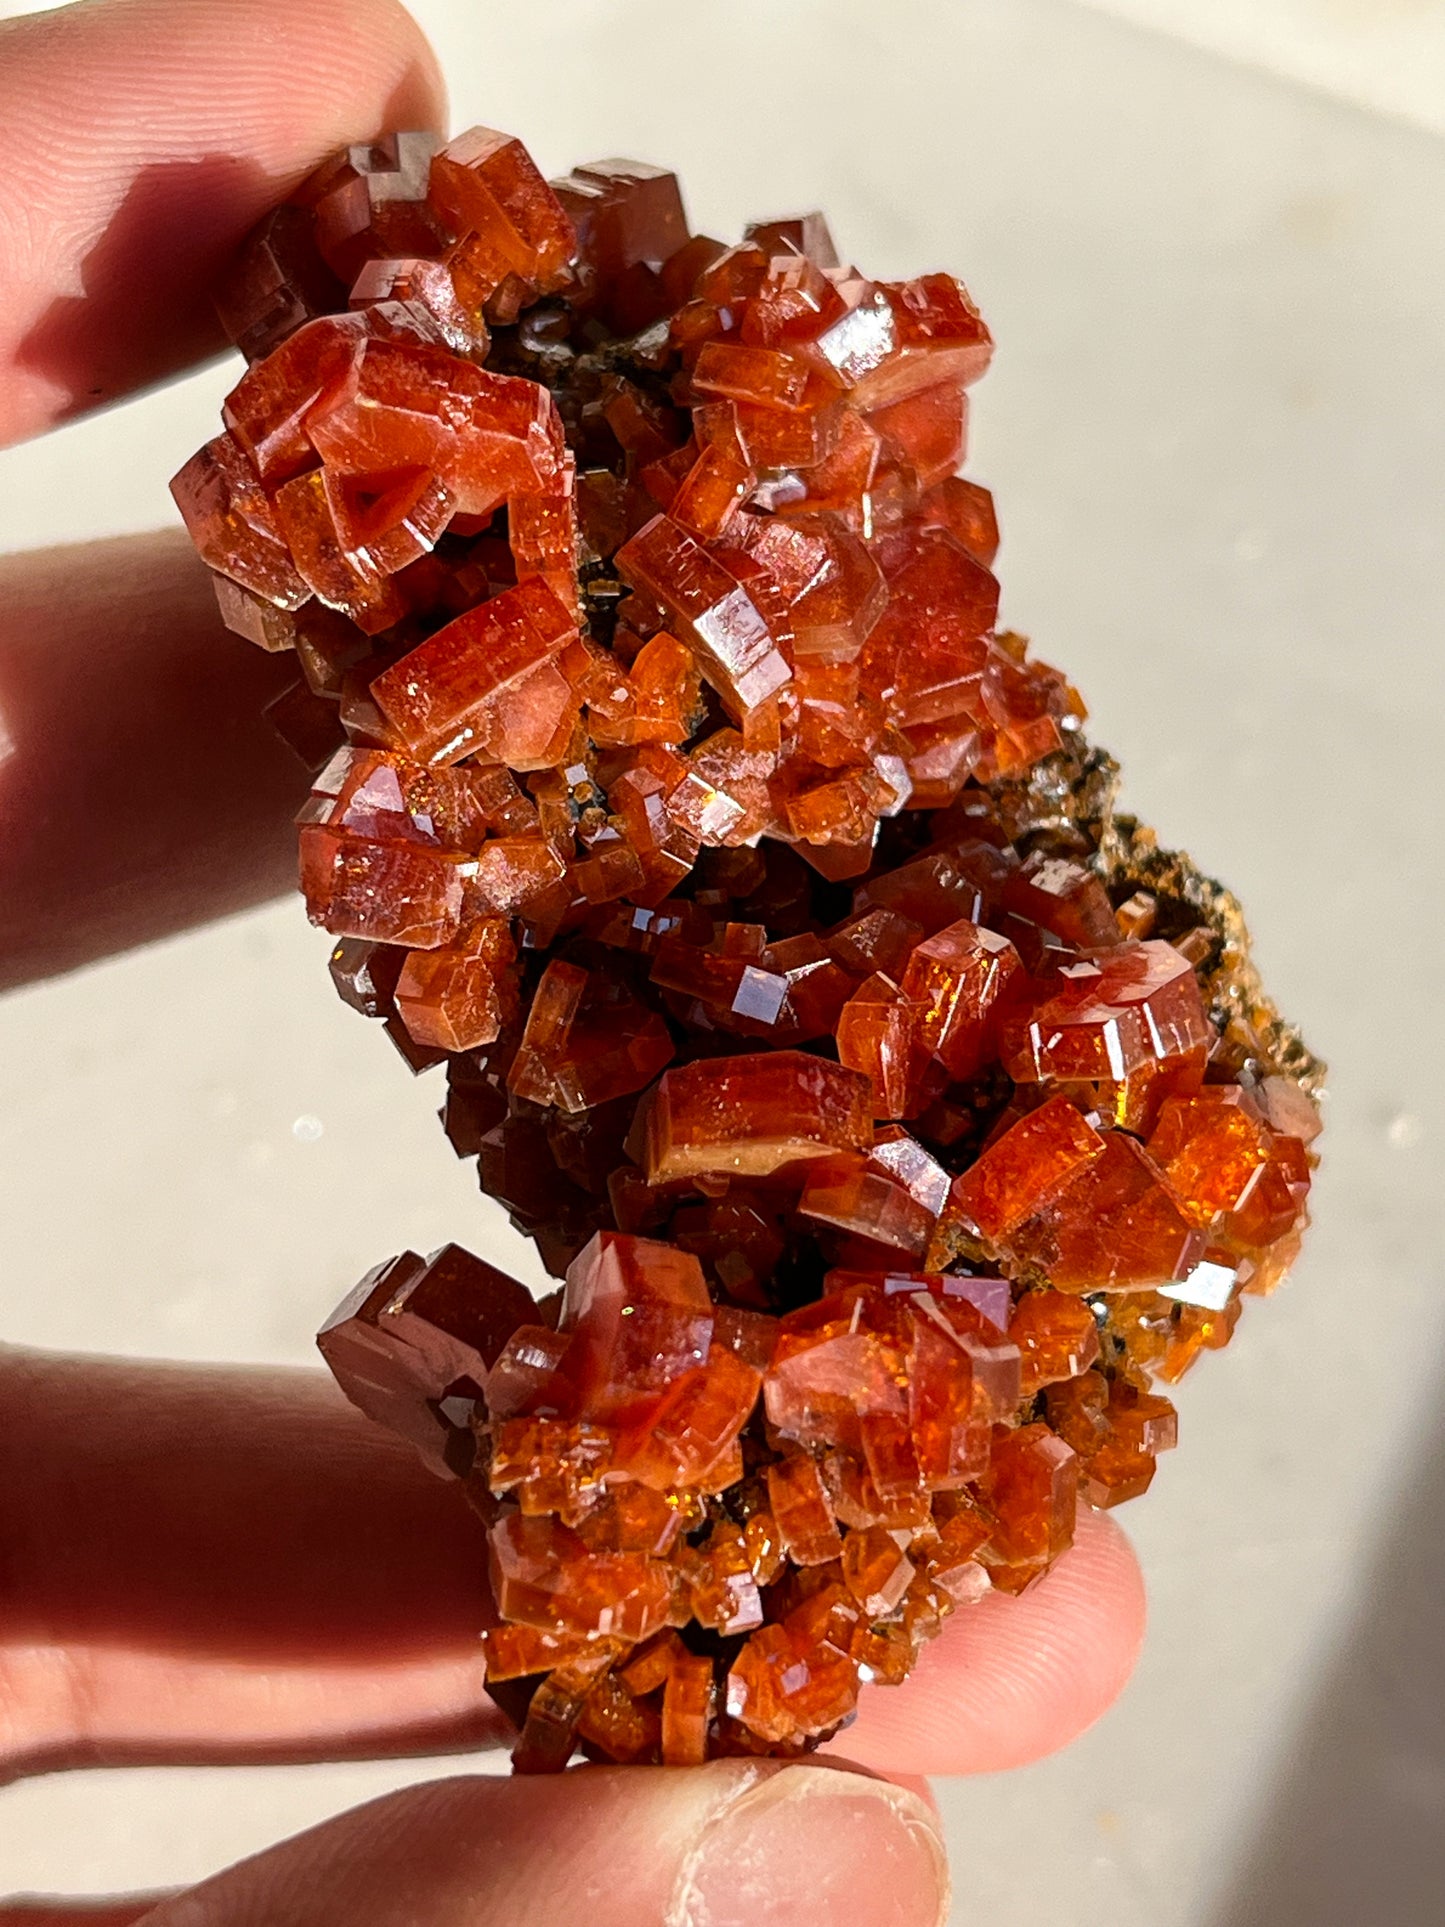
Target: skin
[(230, 1565)]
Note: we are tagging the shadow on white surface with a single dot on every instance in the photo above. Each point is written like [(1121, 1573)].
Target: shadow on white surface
[(1353, 1831)]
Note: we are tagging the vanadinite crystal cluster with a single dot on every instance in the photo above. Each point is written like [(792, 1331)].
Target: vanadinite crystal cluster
[(896, 1111)]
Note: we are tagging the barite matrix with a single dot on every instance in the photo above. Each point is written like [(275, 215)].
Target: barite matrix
[(896, 1110)]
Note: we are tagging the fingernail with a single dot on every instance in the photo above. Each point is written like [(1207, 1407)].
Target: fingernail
[(806, 1844)]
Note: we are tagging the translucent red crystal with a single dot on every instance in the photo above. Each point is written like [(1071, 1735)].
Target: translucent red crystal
[(417, 1334), (752, 1116), (893, 1108)]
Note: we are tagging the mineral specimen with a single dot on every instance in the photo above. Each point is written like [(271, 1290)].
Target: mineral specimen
[(893, 1107)]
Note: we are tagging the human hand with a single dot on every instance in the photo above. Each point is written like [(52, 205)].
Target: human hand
[(231, 1565), (224, 1565)]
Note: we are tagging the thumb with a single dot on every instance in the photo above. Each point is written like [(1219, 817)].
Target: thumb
[(737, 1843)]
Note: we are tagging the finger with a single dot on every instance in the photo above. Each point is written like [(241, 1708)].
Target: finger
[(139, 140), (1013, 1680), (40, 1910), (734, 1844), (141, 788), (229, 1564), (225, 1565)]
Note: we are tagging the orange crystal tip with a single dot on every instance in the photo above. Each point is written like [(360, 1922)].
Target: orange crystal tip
[(752, 1116)]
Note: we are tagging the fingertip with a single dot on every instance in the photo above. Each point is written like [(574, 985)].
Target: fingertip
[(809, 1843), (919, 1786), (433, 98), (1014, 1679), (139, 141), (736, 1843), (42, 1910), (398, 48)]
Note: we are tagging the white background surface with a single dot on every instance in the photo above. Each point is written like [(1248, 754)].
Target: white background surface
[(1388, 55), (1216, 432)]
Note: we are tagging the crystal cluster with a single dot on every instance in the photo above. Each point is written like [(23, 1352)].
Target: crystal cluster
[(895, 1111)]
